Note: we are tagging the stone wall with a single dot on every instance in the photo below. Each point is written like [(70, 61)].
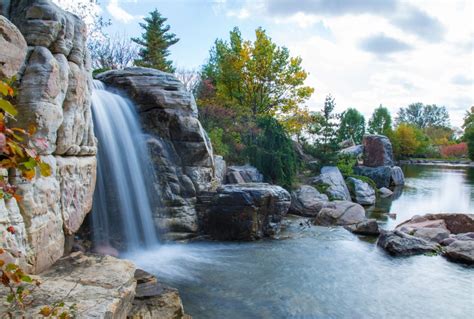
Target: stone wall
[(47, 49)]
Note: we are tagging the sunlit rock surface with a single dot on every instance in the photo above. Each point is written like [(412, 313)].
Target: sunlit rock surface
[(53, 95)]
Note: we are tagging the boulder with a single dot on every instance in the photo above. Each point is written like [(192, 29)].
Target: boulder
[(380, 175), (220, 167), (307, 201), (355, 151), (246, 211), (333, 183), (377, 151), (243, 174), (398, 243), (397, 177), (99, 286), (340, 213), (385, 192), (361, 192), (368, 227), (454, 223), (436, 235), (155, 300), (461, 251), (182, 159), (14, 48)]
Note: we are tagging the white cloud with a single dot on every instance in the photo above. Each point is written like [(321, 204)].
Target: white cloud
[(119, 13)]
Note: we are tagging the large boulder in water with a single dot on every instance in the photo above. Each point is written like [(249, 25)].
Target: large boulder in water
[(340, 213), (247, 211), (380, 175), (333, 184), (397, 177), (398, 243), (307, 201), (454, 223), (180, 149), (361, 191), (377, 151)]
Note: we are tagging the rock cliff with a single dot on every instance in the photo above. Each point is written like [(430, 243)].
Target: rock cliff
[(180, 149), (46, 47)]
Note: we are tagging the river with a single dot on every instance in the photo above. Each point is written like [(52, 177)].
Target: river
[(319, 272)]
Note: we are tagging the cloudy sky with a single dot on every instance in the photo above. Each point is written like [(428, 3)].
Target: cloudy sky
[(363, 52)]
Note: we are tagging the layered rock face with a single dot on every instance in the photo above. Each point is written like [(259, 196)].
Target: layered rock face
[(332, 181), (246, 211), (47, 49), (180, 149)]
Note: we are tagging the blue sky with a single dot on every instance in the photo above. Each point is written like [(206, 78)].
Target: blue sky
[(364, 52)]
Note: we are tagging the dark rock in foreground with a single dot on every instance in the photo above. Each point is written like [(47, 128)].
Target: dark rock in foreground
[(368, 227), (380, 175), (246, 211), (340, 213), (398, 243)]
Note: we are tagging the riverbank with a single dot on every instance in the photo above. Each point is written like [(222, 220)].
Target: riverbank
[(439, 162)]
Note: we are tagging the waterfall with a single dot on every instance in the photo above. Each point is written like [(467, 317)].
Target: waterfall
[(122, 208)]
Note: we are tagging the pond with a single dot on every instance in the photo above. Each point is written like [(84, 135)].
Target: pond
[(318, 272)]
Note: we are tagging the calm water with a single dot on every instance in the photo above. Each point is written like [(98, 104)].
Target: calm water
[(317, 272)]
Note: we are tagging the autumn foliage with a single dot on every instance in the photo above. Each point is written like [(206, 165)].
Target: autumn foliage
[(455, 150)]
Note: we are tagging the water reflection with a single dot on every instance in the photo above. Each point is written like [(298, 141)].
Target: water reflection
[(428, 189)]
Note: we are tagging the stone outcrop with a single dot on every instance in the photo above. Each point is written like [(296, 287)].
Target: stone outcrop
[(380, 175), (454, 231), (340, 213), (247, 211), (155, 300), (385, 192), (307, 201), (13, 48), (99, 286), (180, 149), (398, 243), (243, 174), (361, 192), (368, 227), (397, 177), (46, 47), (355, 151), (377, 151), (332, 183)]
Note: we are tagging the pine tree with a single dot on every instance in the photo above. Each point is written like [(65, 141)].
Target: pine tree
[(381, 121), (155, 42)]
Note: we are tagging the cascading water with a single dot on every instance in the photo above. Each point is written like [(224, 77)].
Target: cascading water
[(123, 203)]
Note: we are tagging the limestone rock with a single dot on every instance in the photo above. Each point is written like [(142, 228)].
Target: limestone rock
[(181, 153), (307, 201), (331, 179), (340, 213), (377, 151), (368, 227), (381, 175), (454, 223), (431, 234), (243, 174), (397, 177), (461, 251), (361, 192), (100, 286), (398, 243), (247, 211), (76, 176), (155, 300), (13, 52), (385, 192), (220, 167), (355, 151)]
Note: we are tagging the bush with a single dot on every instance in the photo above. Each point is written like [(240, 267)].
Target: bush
[(346, 164), (455, 150)]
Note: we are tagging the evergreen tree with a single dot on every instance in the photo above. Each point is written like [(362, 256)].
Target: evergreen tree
[(352, 126), (380, 122), (155, 42)]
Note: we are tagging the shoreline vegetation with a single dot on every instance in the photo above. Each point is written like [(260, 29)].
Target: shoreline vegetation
[(452, 162)]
